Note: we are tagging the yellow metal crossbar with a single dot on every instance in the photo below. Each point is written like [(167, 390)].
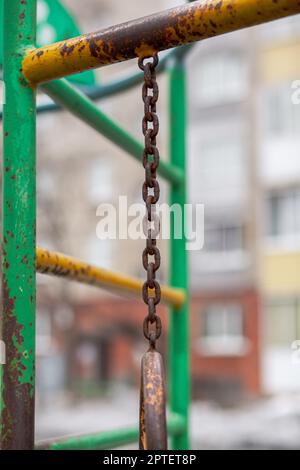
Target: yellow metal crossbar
[(58, 264), (175, 27)]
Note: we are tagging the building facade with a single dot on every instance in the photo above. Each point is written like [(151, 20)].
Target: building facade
[(226, 307), (279, 181)]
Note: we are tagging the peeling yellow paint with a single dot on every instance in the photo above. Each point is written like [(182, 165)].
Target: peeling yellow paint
[(140, 38), (57, 264)]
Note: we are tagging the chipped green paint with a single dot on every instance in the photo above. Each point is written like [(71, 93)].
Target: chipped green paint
[(18, 232)]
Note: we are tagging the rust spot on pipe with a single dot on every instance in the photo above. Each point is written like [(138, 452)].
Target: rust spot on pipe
[(219, 5), (17, 396), (21, 18), (66, 50)]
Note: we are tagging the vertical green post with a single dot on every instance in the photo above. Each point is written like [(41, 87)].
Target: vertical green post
[(18, 232), (179, 375)]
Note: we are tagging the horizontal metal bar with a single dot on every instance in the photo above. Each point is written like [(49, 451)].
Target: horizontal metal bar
[(114, 87), (140, 38), (58, 264), (107, 439), (81, 106)]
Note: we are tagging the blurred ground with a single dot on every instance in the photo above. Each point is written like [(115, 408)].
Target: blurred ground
[(271, 423)]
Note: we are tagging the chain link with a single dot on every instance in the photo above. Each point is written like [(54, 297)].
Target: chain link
[(151, 193)]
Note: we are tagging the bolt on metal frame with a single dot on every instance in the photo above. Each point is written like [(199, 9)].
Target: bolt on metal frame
[(25, 67)]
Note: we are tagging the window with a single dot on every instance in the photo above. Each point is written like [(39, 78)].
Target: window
[(221, 78), (221, 163), (282, 322), (224, 248), (283, 213), (223, 238), (222, 330), (282, 116)]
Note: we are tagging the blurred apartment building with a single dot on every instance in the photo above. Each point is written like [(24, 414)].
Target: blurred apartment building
[(279, 178), (243, 166), (226, 303)]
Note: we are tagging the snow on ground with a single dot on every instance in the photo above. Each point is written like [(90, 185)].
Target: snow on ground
[(271, 423)]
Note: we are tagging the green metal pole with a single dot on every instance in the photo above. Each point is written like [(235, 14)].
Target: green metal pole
[(18, 233), (179, 375), (107, 439)]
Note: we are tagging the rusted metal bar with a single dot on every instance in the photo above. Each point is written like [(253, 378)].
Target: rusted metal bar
[(17, 321), (153, 427), (57, 264), (145, 36), (116, 86)]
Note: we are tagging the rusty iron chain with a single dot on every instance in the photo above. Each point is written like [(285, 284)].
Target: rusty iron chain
[(151, 193), (153, 430)]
